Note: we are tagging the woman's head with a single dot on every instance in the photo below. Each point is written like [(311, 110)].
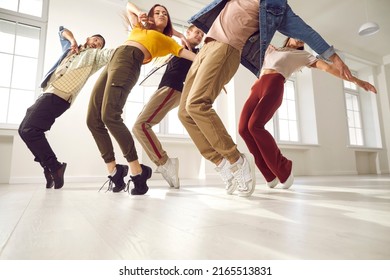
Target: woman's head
[(160, 19), (294, 43)]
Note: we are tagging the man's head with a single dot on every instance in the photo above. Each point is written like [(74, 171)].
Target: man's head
[(194, 35), (95, 41)]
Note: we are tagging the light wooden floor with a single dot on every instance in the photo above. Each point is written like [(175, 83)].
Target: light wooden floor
[(319, 218)]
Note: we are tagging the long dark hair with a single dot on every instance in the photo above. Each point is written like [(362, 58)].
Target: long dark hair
[(168, 30)]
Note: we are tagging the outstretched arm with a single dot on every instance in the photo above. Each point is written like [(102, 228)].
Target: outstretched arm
[(68, 35), (332, 69), (184, 53)]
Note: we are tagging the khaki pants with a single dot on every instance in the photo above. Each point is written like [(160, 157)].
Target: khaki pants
[(161, 102), (213, 67), (108, 98)]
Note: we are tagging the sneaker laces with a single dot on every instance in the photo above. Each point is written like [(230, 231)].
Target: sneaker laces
[(110, 183), (225, 174), (127, 188), (239, 177)]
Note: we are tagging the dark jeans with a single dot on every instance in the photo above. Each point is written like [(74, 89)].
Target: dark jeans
[(39, 119)]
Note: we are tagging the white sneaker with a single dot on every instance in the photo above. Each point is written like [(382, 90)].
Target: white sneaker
[(273, 183), (289, 181), (170, 172), (227, 177), (244, 175)]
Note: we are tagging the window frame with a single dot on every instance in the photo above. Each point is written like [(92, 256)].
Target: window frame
[(355, 93), (36, 22), (275, 121)]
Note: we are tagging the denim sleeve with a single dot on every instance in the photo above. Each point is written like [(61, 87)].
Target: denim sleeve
[(65, 44), (293, 26)]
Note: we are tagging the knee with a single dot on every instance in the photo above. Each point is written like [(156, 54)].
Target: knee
[(255, 127), (137, 128), (243, 129), (27, 133), (91, 122), (182, 114)]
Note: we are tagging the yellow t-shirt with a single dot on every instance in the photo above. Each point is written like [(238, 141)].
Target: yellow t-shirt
[(157, 43)]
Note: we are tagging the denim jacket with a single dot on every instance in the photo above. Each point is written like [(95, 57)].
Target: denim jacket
[(274, 15), (65, 45)]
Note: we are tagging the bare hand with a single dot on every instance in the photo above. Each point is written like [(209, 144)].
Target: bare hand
[(367, 86), (345, 73), (74, 47)]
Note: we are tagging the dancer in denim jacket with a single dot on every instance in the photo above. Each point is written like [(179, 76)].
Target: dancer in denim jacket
[(237, 31), (274, 15)]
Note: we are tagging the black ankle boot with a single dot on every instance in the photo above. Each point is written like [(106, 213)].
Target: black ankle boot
[(139, 181)]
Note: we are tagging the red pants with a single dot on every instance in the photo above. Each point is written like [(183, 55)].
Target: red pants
[(265, 98)]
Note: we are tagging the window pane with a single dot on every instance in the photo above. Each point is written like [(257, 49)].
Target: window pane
[(19, 102), (352, 136), (282, 111), (132, 112), (289, 90), (292, 114), (27, 41), (350, 85), (5, 69), (9, 5), (24, 72), (31, 7), (136, 94), (269, 126), (348, 101), (7, 36), (174, 124), (359, 137), (283, 130), (293, 129), (4, 96), (357, 120)]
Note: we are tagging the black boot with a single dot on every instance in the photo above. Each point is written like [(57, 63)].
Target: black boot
[(139, 181), (49, 178)]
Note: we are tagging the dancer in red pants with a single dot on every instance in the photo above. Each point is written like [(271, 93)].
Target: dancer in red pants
[(266, 97)]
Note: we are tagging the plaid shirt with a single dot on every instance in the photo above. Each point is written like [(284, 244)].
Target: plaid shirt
[(74, 71)]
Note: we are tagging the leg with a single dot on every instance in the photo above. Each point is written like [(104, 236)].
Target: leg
[(271, 96), (243, 129), (95, 123), (214, 66), (161, 102), (39, 119)]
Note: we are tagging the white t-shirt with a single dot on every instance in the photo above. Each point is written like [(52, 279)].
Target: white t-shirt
[(287, 60)]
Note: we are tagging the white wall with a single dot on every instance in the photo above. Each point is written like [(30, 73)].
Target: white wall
[(74, 144)]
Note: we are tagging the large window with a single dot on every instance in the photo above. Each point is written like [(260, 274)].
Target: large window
[(284, 125), (353, 114), (22, 34)]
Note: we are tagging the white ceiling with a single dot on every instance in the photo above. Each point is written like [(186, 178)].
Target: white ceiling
[(338, 22)]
